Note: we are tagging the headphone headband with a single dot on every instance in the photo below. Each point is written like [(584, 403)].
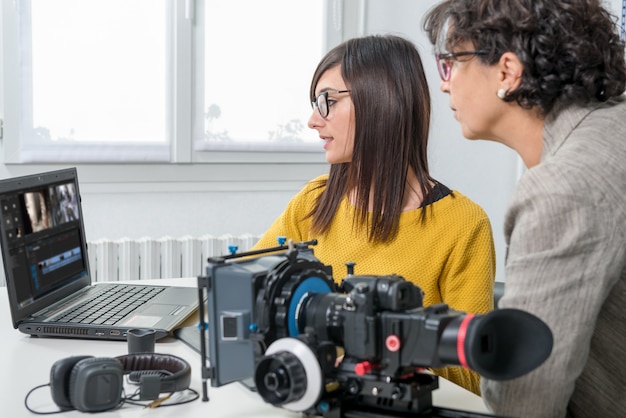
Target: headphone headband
[(180, 370)]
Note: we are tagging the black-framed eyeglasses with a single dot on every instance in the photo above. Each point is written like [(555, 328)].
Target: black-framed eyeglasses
[(321, 101), (445, 61)]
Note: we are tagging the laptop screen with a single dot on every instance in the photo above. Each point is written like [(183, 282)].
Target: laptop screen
[(43, 244)]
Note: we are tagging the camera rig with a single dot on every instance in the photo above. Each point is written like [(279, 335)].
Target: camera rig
[(276, 315)]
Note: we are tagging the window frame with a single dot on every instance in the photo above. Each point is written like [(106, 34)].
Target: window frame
[(184, 39)]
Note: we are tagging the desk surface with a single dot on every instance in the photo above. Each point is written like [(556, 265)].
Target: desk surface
[(26, 363)]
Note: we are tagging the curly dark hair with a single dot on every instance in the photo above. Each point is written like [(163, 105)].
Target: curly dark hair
[(570, 49)]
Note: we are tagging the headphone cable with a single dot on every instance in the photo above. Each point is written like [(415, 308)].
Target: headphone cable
[(157, 403), (32, 410)]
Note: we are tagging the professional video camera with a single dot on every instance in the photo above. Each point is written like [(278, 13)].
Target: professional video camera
[(277, 316)]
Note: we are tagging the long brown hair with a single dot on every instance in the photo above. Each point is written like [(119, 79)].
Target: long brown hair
[(392, 116)]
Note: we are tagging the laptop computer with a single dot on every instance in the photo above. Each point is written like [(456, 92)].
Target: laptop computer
[(46, 266)]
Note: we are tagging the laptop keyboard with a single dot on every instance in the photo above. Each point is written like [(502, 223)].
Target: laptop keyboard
[(110, 305)]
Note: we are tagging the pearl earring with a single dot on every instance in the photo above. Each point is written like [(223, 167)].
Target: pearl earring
[(502, 93)]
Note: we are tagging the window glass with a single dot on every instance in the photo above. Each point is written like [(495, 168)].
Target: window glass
[(259, 57), (92, 72), (98, 69)]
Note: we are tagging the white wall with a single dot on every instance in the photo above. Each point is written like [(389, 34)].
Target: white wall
[(217, 199)]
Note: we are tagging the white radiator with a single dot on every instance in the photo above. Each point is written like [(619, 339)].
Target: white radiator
[(166, 257)]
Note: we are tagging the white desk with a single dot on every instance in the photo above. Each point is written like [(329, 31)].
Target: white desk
[(26, 363)]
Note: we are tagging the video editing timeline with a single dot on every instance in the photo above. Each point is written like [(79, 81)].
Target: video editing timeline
[(42, 229), (58, 261)]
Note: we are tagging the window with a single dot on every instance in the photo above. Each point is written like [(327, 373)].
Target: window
[(162, 81), (257, 72)]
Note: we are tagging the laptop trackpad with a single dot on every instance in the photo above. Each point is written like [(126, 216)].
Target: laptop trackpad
[(150, 316)]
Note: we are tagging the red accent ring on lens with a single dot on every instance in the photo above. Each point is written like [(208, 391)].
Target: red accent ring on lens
[(460, 341)]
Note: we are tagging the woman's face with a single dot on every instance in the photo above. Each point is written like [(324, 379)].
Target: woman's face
[(336, 129), (472, 88)]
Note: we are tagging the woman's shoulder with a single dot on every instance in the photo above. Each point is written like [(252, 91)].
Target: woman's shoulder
[(457, 200), (311, 190), (456, 204), (315, 186), (317, 181)]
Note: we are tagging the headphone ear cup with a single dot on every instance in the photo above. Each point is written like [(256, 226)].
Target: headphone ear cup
[(96, 384), (60, 380)]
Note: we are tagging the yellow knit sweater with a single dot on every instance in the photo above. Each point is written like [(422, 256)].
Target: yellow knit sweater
[(451, 256)]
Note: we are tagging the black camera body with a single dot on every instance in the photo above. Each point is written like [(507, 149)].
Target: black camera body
[(277, 315)]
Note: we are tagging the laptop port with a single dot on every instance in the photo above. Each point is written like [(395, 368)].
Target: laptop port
[(114, 332)]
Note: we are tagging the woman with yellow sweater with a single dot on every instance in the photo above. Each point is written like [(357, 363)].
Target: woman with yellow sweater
[(379, 207)]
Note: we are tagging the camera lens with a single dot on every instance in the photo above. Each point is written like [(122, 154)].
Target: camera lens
[(280, 378), (289, 375)]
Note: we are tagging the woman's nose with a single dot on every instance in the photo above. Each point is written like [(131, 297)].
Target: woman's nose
[(444, 86), (315, 120)]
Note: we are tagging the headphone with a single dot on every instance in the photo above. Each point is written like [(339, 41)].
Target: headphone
[(94, 384)]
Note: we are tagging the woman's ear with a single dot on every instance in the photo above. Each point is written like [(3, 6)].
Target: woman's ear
[(510, 71)]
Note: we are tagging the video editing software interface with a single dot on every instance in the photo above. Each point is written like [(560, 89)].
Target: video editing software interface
[(43, 234)]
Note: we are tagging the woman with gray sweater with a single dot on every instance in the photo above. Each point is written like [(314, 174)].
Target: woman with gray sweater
[(546, 78)]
